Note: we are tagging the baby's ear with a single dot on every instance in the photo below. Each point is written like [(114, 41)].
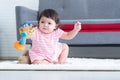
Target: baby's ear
[(57, 26)]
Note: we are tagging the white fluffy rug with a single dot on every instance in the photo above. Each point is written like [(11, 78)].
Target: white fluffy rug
[(73, 64)]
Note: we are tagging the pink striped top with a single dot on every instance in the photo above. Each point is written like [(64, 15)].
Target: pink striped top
[(45, 46)]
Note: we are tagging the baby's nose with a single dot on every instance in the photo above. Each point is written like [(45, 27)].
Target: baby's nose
[(46, 25)]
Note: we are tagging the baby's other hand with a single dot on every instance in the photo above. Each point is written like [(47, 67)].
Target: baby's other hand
[(77, 26)]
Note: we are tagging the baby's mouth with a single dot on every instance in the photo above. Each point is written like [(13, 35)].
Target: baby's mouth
[(44, 29)]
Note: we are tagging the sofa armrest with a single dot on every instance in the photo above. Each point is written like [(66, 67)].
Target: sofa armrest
[(24, 14)]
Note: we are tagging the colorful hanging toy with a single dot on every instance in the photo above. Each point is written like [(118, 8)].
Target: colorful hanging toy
[(25, 31)]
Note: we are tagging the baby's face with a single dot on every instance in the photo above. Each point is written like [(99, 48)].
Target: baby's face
[(47, 25)]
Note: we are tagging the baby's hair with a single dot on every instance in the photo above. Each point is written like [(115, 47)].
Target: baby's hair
[(50, 13)]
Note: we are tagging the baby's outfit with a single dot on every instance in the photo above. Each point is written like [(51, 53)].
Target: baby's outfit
[(46, 46)]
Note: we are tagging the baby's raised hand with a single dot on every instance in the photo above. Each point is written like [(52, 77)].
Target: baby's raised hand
[(77, 26)]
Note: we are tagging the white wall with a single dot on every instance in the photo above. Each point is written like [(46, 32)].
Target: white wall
[(8, 25)]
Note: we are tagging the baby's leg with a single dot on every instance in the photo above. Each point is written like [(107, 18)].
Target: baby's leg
[(40, 62), (24, 59), (64, 54)]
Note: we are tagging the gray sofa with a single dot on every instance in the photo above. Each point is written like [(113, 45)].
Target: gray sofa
[(87, 12)]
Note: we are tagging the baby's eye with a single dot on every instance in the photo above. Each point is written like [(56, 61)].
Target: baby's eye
[(49, 23), (42, 21)]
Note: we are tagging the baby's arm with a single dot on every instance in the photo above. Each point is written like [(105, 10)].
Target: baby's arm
[(73, 33)]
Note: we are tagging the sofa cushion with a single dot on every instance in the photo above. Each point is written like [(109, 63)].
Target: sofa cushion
[(94, 38)]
